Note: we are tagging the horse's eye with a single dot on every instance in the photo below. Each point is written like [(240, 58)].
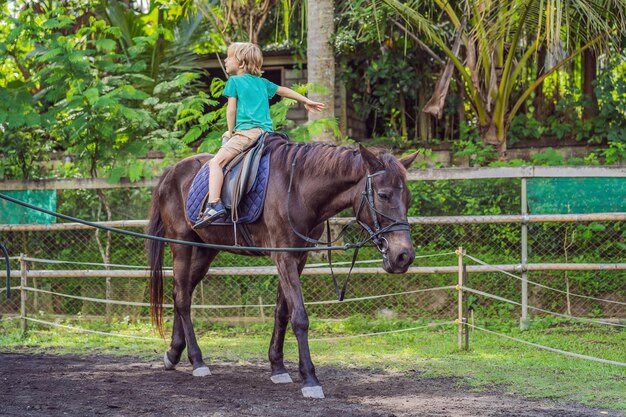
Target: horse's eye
[(384, 196)]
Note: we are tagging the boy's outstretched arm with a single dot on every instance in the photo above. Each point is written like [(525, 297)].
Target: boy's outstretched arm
[(309, 104)]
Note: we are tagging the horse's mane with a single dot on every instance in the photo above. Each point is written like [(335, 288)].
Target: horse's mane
[(323, 158)]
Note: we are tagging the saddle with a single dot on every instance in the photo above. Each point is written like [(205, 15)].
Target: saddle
[(240, 174), (245, 182)]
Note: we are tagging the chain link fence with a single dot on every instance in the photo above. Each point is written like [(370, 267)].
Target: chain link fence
[(241, 296)]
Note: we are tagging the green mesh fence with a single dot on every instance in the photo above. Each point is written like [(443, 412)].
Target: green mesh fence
[(576, 195)]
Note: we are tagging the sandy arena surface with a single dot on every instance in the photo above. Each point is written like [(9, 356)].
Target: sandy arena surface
[(49, 385)]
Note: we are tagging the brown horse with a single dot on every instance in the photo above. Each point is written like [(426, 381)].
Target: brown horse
[(325, 179)]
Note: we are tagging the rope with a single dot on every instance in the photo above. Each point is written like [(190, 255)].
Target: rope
[(322, 339), (545, 286), (78, 329), (215, 306), (375, 260), (177, 241), (506, 300), (96, 300), (562, 352), (9, 318), (373, 297), (53, 261)]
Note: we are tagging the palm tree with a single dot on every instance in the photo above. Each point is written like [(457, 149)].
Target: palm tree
[(237, 20), (321, 60), (165, 59), (500, 39)]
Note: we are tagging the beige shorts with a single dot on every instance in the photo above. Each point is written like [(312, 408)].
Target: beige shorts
[(241, 140)]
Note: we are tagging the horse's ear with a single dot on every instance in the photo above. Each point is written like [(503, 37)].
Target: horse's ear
[(372, 162), (406, 161)]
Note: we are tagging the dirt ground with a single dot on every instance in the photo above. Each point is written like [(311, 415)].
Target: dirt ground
[(47, 385)]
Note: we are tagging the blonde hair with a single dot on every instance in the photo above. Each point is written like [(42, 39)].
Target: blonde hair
[(249, 56)]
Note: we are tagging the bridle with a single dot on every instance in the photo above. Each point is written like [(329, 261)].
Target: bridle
[(375, 234)]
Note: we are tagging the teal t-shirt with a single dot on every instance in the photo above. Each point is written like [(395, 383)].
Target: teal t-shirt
[(253, 94)]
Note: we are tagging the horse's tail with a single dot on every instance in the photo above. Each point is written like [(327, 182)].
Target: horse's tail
[(155, 250)]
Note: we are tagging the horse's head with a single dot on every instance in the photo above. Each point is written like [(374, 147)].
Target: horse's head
[(382, 208)]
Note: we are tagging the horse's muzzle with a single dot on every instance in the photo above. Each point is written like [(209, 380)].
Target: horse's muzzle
[(399, 263)]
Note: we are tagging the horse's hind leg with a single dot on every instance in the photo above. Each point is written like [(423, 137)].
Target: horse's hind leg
[(190, 266), (172, 356), (289, 272), (281, 319)]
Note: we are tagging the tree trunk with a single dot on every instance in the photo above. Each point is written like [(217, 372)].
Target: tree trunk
[(436, 103), (321, 60), (105, 252), (403, 126), (489, 135), (539, 100), (423, 118), (589, 75), (461, 102)]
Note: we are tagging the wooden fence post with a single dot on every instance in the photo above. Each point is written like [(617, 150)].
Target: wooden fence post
[(466, 308), (23, 285), (524, 320), (261, 309)]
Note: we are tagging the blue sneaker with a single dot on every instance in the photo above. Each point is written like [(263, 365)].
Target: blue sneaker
[(213, 211)]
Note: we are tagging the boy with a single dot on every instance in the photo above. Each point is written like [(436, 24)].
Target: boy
[(247, 116)]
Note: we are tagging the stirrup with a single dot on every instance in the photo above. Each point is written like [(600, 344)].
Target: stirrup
[(210, 215)]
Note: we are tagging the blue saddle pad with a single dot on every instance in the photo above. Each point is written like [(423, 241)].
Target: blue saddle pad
[(250, 206)]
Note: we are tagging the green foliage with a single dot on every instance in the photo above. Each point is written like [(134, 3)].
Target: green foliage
[(472, 147), (608, 126), (610, 123), (615, 153), (101, 93), (548, 157), (525, 126), (383, 68)]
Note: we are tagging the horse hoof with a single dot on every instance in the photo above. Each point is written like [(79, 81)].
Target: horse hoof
[(168, 364), (201, 371), (281, 379), (313, 392)]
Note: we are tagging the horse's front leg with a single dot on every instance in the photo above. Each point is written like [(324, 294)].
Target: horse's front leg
[(289, 273), (190, 266)]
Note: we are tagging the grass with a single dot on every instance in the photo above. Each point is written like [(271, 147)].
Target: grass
[(491, 362)]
